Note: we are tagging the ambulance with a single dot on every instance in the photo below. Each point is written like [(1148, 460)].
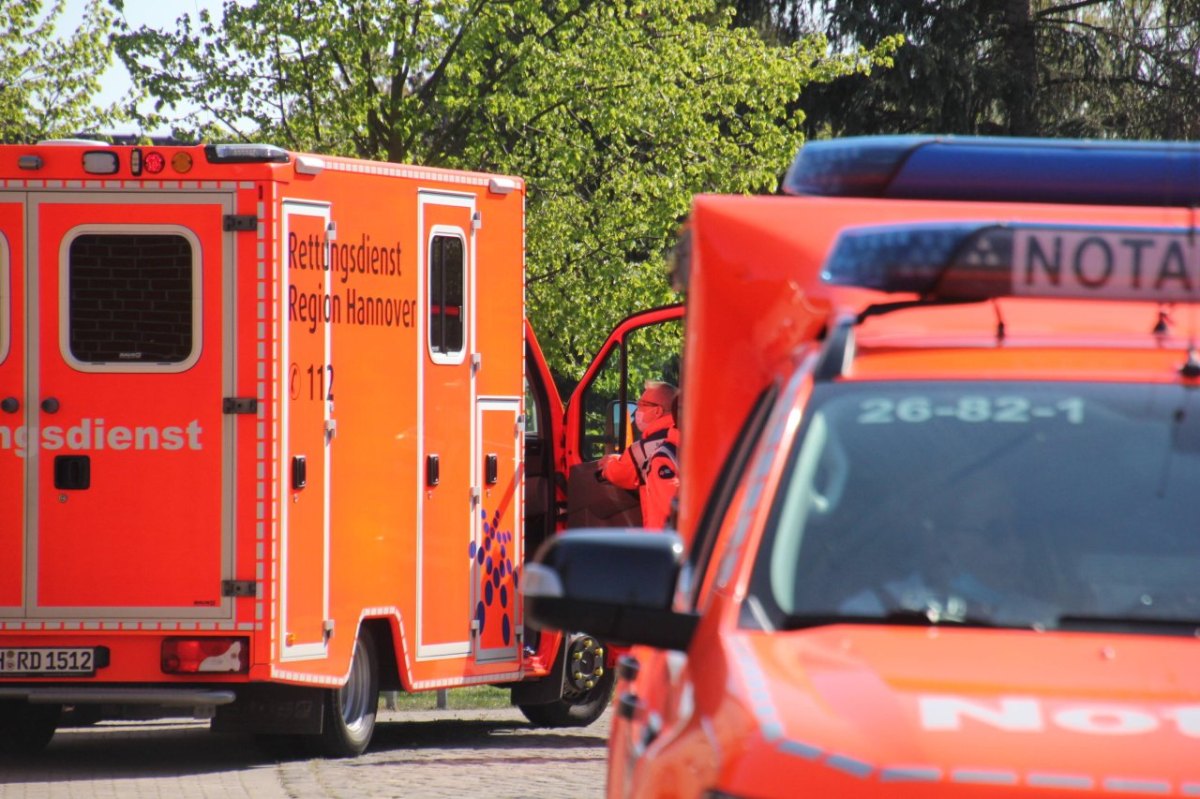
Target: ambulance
[(940, 449), (274, 436)]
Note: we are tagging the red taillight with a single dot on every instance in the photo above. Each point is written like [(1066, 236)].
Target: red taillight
[(154, 162), (205, 655)]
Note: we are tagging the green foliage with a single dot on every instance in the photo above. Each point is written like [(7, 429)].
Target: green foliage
[(962, 69), (1083, 68), (615, 112), (48, 83), (1125, 69), (618, 130)]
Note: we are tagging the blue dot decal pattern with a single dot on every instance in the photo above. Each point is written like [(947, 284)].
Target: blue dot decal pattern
[(498, 580)]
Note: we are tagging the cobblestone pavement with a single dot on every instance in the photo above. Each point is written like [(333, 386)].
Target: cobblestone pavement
[(491, 754)]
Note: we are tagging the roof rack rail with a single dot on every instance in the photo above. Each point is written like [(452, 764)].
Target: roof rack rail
[(994, 168)]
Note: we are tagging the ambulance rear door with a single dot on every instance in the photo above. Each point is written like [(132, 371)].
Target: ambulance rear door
[(12, 401), (128, 343)]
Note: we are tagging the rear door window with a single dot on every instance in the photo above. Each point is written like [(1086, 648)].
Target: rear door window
[(447, 279), (132, 300)]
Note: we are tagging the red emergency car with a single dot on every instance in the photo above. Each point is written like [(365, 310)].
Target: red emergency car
[(940, 445)]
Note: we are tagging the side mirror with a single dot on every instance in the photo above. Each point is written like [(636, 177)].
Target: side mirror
[(618, 418), (618, 585)]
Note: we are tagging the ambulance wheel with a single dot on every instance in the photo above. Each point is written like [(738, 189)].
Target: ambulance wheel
[(587, 688), (350, 710), (26, 728)]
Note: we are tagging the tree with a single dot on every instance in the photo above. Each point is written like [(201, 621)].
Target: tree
[(1125, 69), (1094, 68), (614, 111), (963, 68), (48, 84)]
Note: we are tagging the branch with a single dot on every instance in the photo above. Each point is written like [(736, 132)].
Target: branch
[(1069, 7), (485, 88), (346, 99), (400, 73), (428, 90), (309, 96), (284, 120)]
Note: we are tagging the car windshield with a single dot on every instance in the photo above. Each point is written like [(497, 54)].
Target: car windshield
[(1047, 505)]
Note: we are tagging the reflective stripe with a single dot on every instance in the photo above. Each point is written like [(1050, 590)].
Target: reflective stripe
[(645, 451), (911, 774)]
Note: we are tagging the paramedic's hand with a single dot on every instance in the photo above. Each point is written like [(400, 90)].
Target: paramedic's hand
[(602, 464)]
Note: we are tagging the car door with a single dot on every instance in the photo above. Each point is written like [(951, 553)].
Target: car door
[(562, 447)]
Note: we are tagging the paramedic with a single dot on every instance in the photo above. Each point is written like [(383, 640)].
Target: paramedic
[(650, 464)]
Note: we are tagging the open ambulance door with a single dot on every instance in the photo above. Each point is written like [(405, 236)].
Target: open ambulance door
[(545, 485), (646, 346), (561, 490), (562, 448)]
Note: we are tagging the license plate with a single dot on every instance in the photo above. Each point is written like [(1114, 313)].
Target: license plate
[(47, 662)]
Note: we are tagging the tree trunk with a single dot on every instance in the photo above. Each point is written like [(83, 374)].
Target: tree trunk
[(1020, 48)]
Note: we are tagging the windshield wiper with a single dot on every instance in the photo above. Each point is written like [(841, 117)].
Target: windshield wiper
[(933, 616), (901, 616), (1136, 624)]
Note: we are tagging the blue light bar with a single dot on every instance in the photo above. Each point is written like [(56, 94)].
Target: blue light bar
[(983, 168), (959, 262), (900, 258)]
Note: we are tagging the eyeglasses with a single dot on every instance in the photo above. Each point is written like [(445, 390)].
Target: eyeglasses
[(647, 404)]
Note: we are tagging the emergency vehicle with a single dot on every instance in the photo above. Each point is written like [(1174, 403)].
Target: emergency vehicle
[(941, 443), (274, 436)]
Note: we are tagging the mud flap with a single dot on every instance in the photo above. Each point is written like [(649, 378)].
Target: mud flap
[(549, 688), (273, 710)]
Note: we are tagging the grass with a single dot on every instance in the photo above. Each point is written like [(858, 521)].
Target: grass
[(473, 698)]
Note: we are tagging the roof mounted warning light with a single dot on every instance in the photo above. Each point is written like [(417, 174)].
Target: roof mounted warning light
[(993, 168), (973, 261), (245, 154)]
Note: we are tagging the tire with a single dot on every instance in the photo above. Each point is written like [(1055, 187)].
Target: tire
[(573, 711), (26, 728), (579, 705), (350, 710)]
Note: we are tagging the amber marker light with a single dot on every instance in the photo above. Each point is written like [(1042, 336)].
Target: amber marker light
[(182, 162)]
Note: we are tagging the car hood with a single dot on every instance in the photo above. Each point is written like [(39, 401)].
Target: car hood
[(1111, 713)]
